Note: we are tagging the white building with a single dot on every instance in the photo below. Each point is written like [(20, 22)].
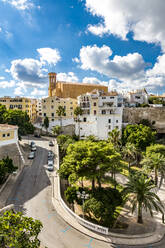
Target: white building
[(102, 112), (134, 98)]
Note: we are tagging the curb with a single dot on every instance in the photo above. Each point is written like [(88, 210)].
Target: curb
[(113, 238)]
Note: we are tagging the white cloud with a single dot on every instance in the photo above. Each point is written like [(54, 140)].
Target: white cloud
[(28, 71), (20, 4), (67, 77), (36, 92), (7, 84), (18, 91), (76, 60), (158, 69), (49, 55), (98, 59), (145, 19), (2, 78), (93, 80)]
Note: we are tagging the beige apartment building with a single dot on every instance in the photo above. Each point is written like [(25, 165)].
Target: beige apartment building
[(20, 103), (50, 106)]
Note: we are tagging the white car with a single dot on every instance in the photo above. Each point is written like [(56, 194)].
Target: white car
[(33, 148), (50, 165), (31, 155)]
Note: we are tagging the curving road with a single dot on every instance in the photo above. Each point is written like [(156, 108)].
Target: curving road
[(32, 195)]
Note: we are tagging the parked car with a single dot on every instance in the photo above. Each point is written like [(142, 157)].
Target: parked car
[(31, 155), (50, 168), (32, 144), (37, 135), (33, 148), (50, 165), (51, 143)]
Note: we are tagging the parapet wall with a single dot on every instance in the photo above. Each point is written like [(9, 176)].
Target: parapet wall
[(156, 115)]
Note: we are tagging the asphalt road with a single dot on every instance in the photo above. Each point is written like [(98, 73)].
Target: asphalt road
[(32, 195)]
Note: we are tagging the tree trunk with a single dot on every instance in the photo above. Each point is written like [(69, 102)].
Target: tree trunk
[(129, 166), (161, 180), (78, 128), (99, 182), (93, 184), (140, 219), (156, 177)]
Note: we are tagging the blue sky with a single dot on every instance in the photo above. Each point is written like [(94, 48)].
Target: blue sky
[(118, 44)]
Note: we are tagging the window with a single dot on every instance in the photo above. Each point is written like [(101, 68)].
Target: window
[(94, 104), (103, 112), (44, 100), (71, 107), (52, 114), (111, 97), (84, 119), (109, 121), (8, 135), (52, 106), (52, 101), (109, 126), (44, 114), (95, 112), (117, 127), (117, 121), (3, 135), (52, 119), (71, 102), (103, 97)]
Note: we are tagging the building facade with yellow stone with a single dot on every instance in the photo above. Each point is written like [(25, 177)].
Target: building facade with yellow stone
[(70, 90), (8, 134), (50, 106), (20, 103)]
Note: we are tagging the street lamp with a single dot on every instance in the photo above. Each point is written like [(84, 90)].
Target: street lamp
[(83, 196)]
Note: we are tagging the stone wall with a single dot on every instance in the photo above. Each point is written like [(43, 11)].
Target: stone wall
[(157, 115)]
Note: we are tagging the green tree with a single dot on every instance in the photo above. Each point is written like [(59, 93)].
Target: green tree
[(156, 148), (6, 167), (156, 162), (60, 112), (19, 118), (46, 123), (140, 135), (89, 159), (102, 204), (3, 110), (114, 138), (129, 153), (139, 191), (56, 130), (78, 112), (64, 141), (19, 231)]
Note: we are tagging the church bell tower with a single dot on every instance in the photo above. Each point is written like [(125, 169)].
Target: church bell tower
[(52, 82)]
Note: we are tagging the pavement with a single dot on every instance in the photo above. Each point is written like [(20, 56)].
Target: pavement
[(32, 194)]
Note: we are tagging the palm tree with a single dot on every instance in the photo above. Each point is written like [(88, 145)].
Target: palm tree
[(56, 130), (129, 153), (78, 111), (154, 161), (60, 112), (114, 138), (139, 191)]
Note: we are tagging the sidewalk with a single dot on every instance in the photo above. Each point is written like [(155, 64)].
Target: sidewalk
[(115, 238)]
